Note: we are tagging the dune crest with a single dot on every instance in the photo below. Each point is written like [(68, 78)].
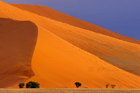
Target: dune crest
[(64, 50), (111, 47), (55, 15)]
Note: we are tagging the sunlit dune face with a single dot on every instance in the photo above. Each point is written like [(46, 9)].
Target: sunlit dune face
[(57, 50)]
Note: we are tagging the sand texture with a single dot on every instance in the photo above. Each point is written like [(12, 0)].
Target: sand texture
[(70, 90), (56, 50)]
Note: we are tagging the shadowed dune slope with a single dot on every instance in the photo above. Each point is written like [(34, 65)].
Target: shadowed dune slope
[(66, 53), (17, 43)]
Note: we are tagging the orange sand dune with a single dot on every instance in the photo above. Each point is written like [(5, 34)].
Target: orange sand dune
[(55, 15), (17, 43), (62, 50), (111, 49)]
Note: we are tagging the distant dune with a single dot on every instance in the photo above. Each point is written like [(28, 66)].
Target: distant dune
[(43, 45)]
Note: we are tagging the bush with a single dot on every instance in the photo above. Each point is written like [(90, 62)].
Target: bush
[(28, 85), (21, 85), (107, 85), (32, 84), (78, 84), (113, 86)]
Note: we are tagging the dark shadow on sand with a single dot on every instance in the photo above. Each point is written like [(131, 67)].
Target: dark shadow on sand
[(17, 43)]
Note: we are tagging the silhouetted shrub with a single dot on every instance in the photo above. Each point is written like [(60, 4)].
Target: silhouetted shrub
[(21, 85), (107, 85), (113, 86), (32, 84), (78, 84), (28, 85)]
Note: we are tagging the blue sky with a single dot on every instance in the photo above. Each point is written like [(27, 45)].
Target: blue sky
[(119, 16)]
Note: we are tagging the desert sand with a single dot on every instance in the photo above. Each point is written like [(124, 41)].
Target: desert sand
[(70, 90), (56, 50)]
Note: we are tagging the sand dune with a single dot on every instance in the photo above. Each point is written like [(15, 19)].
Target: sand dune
[(17, 43), (57, 50), (55, 15), (93, 39)]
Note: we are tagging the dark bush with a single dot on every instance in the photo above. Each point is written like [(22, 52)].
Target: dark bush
[(78, 84), (21, 85), (28, 85), (107, 85), (32, 84), (113, 86)]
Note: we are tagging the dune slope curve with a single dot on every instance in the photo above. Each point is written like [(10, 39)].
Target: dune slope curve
[(67, 53), (17, 43), (58, 16), (59, 64), (118, 50)]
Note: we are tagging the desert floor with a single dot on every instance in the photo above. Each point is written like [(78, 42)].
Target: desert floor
[(71, 90)]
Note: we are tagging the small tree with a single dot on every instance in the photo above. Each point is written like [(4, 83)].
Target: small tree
[(32, 84), (113, 86), (107, 85), (21, 85), (28, 85), (78, 84)]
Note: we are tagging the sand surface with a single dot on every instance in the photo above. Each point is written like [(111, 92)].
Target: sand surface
[(43, 45), (70, 90)]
